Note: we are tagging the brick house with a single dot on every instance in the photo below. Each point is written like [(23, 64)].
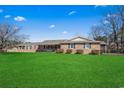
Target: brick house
[(76, 43), (85, 44)]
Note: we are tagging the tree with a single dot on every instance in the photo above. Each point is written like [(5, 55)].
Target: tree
[(9, 36), (121, 15), (97, 33), (111, 29), (112, 26)]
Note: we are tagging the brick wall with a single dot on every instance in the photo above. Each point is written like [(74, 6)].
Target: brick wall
[(30, 48), (81, 46)]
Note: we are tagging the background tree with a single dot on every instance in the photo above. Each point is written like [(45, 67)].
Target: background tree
[(120, 10), (111, 29), (113, 26), (97, 33), (9, 36)]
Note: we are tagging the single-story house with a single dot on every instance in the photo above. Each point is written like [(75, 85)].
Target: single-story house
[(75, 43), (26, 47)]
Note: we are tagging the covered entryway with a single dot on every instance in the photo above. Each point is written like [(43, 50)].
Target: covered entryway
[(50, 47)]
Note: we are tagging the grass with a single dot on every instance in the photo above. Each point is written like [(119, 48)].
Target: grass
[(28, 70)]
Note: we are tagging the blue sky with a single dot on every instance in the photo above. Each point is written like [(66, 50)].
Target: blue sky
[(54, 22)]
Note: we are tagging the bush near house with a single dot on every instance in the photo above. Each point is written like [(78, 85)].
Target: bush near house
[(59, 51), (68, 51), (95, 52), (3, 50), (79, 51)]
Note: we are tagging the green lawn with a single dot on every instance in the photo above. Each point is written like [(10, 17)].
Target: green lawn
[(60, 70)]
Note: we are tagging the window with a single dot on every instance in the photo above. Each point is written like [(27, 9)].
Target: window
[(87, 46), (30, 47), (26, 47), (43, 47), (23, 47), (20, 47), (71, 46)]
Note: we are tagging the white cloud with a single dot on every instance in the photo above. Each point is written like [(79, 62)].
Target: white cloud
[(108, 15), (106, 22), (7, 16), (72, 12), (99, 6), (65, 32), (1, 10), (112, 15), (19, 18), (52, 26)]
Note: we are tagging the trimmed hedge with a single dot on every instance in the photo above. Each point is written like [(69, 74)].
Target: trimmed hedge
[(79, 51), (68, 51), (59, 51), (95, 52)]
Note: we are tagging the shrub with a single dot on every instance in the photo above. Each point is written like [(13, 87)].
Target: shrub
[(3, 50), (68, 51), (59, 51), (95, 52), (79, 51)]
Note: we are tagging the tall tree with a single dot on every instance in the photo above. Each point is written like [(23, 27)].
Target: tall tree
[(113, 26), (9, 36), (120, 10), (97, 33)]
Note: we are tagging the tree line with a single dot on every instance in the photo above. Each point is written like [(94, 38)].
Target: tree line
[(111, 30)]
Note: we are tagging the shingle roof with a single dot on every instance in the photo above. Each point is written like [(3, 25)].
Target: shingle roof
[(84, 40), (52, 42), (102, 43), (81, 38), (69, 41), (61, 41), (29, 43)]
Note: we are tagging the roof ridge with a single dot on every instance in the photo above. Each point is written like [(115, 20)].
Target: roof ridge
[(56, 39), (81, 37)]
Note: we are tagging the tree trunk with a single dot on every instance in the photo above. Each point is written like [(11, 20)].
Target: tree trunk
[(117, 46)]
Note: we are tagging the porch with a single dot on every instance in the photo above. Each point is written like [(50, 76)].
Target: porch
[(48, 48)]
